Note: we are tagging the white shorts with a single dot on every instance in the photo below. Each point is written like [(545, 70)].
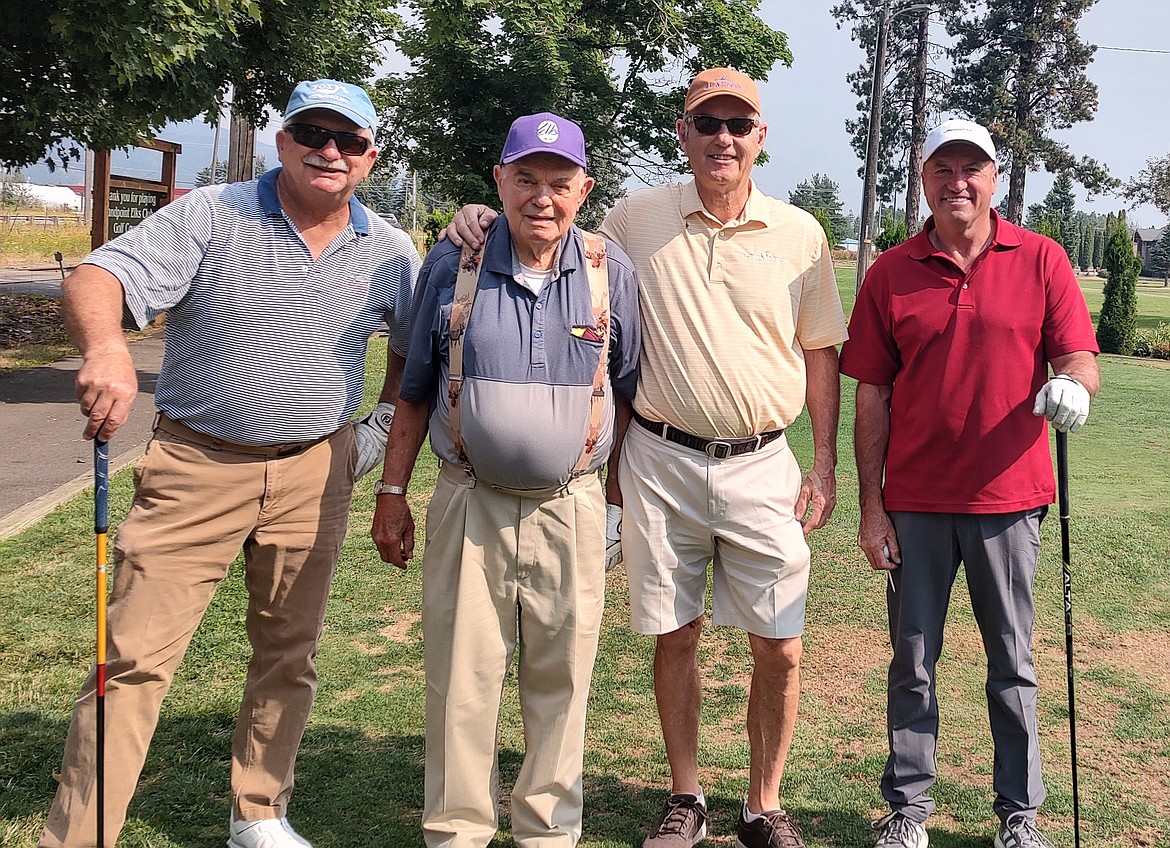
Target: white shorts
[(683, 510)]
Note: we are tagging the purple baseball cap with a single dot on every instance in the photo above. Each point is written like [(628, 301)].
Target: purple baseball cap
[(544, 132)]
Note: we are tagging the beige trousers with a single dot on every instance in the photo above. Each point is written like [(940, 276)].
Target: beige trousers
[(195, 507), (501, 572)]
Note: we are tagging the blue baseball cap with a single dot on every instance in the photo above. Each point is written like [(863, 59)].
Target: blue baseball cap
[(544, 132), (345, 99)]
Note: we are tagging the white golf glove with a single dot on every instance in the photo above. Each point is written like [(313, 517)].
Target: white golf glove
[(371, 431), (613, 536), (1064, 402)]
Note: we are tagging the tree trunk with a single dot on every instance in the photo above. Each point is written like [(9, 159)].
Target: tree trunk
[(241, 149), (917, 127)]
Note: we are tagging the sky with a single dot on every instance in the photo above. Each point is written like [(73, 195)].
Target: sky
[(806, 105)]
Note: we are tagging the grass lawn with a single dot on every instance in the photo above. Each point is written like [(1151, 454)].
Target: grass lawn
[(359, 779)]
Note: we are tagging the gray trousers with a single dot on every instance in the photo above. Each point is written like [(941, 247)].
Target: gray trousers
[(999, 553)]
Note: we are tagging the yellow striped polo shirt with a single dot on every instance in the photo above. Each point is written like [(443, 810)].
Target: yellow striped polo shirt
[(727, 309)]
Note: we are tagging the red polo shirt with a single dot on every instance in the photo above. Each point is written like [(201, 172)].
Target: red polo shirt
[(966, 354)]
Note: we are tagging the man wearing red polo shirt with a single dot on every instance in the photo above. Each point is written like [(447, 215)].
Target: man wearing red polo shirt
[(951, 339)]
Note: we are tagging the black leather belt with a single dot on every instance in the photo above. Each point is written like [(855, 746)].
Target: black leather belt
[(714, 448)]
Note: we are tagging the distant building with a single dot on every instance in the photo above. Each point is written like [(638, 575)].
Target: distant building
[(847, 244), (1145, 240), (54, 196)]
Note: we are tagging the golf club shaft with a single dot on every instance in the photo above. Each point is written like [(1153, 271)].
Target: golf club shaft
[(1063, 499), (101, 527)]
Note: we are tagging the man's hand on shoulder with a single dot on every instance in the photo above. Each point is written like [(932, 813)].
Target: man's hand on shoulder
[(470, 225)]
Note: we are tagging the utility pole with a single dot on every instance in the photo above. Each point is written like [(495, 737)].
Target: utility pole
[(241, 148), (869, 189)]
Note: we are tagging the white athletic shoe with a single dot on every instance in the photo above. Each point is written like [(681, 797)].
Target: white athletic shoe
[(897, 831), (265, 833)]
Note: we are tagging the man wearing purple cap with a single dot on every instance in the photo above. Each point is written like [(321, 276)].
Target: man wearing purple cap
[(272, 289), (951, 340), (521, 354)]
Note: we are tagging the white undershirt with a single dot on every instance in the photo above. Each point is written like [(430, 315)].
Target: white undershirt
[(534, 279)]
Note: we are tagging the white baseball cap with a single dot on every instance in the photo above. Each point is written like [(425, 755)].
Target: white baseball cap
[(955, 130)]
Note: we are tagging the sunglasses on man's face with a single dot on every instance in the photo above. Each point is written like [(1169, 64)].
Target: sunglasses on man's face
[(709, 124), (310, 135)]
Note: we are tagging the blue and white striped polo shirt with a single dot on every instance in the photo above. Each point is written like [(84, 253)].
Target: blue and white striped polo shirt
[(528, 377), (264, 345)]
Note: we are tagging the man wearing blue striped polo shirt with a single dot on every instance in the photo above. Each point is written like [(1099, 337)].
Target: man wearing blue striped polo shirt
[(272, 289)]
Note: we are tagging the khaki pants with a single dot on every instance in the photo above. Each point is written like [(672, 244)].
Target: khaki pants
[(500, 571), (196, 506)]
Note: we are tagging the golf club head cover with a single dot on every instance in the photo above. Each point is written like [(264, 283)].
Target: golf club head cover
[(613, 536), (1064, 402), (370, 431)]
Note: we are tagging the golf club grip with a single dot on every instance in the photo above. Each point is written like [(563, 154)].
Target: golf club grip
[(1062, 491)]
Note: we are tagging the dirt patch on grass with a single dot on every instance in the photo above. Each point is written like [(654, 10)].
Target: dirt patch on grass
[(400, 628)]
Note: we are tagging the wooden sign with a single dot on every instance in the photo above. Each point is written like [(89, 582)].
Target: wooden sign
[(121, 202)]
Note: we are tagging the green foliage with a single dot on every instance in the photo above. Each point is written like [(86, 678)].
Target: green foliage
[(826, 224), (434, 222), (1116, 328), (1152, 185), (893, 232), (101, 73), (479, 65), (14, 191), (822, 194), (1019, 69), (1153, 342)]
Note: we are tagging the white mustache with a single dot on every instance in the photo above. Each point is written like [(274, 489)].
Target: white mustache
[(321, 162)]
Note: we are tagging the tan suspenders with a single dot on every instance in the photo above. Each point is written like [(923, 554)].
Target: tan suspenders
[(466, 284)]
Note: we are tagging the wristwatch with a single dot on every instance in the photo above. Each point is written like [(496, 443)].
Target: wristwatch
[(384, 488)]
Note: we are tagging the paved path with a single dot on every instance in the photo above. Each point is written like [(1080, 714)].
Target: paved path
[(42, 281), (43, 459)]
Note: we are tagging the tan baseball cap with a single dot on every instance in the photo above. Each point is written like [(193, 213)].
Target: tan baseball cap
[(715, 82)]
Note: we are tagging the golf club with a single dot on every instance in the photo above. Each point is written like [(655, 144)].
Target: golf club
[(101, 527), (1062, 496)]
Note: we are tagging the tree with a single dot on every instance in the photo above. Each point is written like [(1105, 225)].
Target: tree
[(1019, 69), (827, 225), (14, 190), (1085, 244), (101, 73), (477, 66), (203, 178), (1117, 328), (821, 193), (1158, 264), (893, 233), (1152, 185), (913, 94)]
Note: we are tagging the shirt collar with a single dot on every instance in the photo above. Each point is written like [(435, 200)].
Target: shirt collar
[(1006, 236), (691, 203), (270, 203)]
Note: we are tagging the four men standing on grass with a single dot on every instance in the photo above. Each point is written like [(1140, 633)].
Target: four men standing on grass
[(740, 319)]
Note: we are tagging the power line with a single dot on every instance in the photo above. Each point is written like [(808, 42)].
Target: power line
[(1130, 49)]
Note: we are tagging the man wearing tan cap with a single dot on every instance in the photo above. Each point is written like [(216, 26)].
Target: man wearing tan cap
[(740, 318)]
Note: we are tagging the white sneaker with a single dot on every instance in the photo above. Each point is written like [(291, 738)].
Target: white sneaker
[(897, 831), (265, 833)]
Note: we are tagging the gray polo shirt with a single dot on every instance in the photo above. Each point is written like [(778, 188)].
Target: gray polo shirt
[(264, 344), (527, 378)]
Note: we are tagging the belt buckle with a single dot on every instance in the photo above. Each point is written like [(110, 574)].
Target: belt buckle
[(717, 449)]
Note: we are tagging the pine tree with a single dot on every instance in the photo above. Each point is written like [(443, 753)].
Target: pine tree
[(1085, 244), (822, 193), (1019, 69), (1117, 329), (826, 224)]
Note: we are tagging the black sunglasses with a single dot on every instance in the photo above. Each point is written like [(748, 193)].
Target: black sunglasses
[(709, 124), (310, 135)]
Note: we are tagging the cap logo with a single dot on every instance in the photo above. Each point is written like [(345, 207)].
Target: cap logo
[(724, 82), (548, 132), (325, 88)]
